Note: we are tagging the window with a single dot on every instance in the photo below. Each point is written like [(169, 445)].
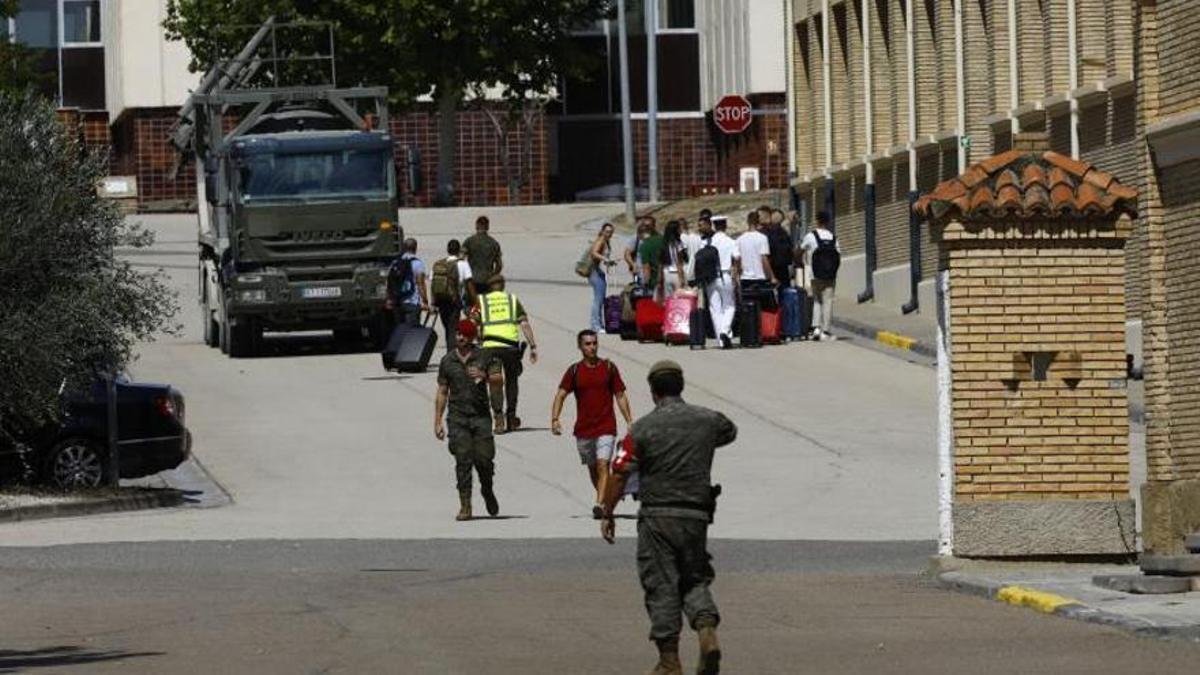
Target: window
[(37, 23), (676, 14), (81, 22)]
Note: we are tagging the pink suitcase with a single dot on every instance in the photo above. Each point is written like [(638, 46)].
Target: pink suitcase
[(675, 318)]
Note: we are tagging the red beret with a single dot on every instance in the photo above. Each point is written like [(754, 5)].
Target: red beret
[(467, 328)]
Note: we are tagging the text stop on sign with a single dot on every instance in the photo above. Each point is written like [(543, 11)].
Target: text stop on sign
[(732, 114)]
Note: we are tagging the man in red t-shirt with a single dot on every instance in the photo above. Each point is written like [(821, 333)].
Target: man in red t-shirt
[(595, 383)]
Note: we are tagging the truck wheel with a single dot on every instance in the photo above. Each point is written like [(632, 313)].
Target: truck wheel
[(223, 335), (212, 327), (241, 339), (347, 335)]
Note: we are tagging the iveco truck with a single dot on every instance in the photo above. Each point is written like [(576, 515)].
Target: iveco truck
[(297, 204)]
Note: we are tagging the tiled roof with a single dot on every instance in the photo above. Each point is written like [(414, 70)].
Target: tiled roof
[(1027, 185)]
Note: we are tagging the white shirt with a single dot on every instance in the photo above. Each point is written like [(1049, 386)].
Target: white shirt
[(692, 243), (727, 249), (752, 246), (464, 269)]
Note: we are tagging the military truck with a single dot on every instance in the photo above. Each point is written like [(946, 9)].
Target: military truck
[(296, 200)]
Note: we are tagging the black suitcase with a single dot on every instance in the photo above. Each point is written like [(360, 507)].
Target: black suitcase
[(409, 348), (698, 321), (750, 327)]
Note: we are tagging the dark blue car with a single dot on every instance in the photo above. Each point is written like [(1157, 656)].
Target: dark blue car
[(151, 437)]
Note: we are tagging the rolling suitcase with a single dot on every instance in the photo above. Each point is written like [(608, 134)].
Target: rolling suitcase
[(630, 298), (791, 305), (613, 308), (649, 321), (750, 324), (769, 327), (698, 321), (677, 318), (409, 348)]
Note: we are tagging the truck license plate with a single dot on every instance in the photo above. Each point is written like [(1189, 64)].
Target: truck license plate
[(322, 292)]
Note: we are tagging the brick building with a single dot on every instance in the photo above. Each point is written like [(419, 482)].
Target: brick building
[(891, 97), (110, 67)]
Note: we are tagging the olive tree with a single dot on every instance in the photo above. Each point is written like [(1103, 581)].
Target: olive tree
[(70, 308)]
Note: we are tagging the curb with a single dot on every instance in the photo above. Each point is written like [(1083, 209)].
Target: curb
[(151, 498), (1057, 605), (885, 337)]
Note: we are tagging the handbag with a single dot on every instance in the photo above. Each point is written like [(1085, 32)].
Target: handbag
[(584, 267)]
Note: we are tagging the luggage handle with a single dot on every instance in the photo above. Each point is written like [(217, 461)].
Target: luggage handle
[(427, 322)]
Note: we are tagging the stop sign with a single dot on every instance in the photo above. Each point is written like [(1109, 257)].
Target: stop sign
[(732, 114)]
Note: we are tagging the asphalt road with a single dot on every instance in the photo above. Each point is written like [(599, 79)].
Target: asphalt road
[(339, 552)]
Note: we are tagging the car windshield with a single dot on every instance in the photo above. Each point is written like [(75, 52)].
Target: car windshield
[(345, 174)]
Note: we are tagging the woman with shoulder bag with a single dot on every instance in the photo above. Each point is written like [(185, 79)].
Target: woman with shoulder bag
[(674, 258), (599, 255)]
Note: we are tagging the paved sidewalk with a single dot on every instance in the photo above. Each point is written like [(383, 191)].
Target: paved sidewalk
[(1066, 589), (915, 332)]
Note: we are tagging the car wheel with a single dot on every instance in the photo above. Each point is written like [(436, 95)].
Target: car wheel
[(76, 463), (242, 339)]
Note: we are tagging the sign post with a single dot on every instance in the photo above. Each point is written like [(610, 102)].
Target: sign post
[(732, 114)]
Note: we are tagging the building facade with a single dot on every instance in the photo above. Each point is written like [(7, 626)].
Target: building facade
[(891, 97), (110, 67)]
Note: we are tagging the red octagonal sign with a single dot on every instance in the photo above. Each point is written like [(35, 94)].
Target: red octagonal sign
[(732, 114)]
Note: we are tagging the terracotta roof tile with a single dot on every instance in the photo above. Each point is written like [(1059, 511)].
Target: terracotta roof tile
[(1017, 184)]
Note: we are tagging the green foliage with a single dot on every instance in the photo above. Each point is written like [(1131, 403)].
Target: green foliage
[(414, 47), (69, 308)]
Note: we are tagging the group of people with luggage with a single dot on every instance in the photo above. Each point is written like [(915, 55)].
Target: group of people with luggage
[(691, 286)]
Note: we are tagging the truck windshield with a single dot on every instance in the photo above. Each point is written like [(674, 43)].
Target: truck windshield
[(345, 174)]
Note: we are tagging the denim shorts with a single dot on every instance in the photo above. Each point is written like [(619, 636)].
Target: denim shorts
[(592, 450)]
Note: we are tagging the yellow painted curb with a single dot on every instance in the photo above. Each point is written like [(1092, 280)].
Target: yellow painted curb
[(895, 339), (1027, 597)]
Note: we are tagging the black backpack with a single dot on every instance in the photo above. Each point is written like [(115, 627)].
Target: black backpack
[(708, 264), (826, 260), (400, 280)]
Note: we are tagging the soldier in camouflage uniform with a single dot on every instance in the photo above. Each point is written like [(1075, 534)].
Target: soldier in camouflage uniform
[(672, 449), (462, 384)]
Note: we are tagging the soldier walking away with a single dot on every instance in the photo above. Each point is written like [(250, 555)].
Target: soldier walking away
[(483, 254), (824, 255), (407, 295), (503, 320), (445, 290), (595, 383), (672, 449), (462, 400)]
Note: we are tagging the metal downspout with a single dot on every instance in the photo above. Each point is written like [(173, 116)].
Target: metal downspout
[(914, 224), (869, 233)]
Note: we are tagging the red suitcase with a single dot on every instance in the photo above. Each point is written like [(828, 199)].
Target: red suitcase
[(649, 321), (676, 327), (769, 324)]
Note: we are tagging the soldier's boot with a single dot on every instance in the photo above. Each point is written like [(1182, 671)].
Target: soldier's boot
[(489, 499), (514, 422), (710, 651), (464, 507), (668, 658)]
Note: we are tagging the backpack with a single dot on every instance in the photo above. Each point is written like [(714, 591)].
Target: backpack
[(443, 283), (826, 260), (708, 264), (584, 267), (401, 281)]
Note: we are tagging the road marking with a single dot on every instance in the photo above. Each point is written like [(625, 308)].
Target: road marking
[(1039, 600), (895, 339)]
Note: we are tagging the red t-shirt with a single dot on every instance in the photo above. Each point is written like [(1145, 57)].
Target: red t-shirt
[(594, 388)]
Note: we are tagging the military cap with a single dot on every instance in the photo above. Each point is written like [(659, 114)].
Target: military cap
[(664, 366)]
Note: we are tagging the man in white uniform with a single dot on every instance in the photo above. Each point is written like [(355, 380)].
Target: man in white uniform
[(754, 251), (721, 303)]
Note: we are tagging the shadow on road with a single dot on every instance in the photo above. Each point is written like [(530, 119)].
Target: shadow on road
[(15, 660)]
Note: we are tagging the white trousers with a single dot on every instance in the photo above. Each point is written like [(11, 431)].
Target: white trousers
[(721, 304)]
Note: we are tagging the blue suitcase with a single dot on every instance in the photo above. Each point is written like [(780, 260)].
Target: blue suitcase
[(791, 301)]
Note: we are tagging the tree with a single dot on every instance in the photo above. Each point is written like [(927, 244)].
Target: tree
[(18, 64), (70, 309), (444, 49)]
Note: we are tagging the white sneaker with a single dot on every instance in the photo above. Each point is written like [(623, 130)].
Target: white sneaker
[(816, 336)]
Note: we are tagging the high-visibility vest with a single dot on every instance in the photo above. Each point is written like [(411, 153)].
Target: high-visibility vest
[(498, 314)]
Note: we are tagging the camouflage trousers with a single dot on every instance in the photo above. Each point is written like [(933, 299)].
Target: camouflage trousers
[(473, 447), (675, 570)]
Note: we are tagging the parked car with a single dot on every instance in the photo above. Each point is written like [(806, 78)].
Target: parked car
[(151, 437)]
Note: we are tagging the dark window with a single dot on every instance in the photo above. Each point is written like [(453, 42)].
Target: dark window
[(37, 23), (81, 21), (676, 14), (587, 93), (678, 73), (83, 78)]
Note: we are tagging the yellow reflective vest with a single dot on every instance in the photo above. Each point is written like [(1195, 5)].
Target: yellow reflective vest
[(498, 315)]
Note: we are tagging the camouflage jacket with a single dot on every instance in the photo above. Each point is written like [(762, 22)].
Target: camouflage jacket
[(672, 450)]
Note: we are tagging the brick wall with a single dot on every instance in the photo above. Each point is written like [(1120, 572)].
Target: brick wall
[(979, 55), (850, 213), (808, 66), (883, 52), (841, 78), (1031, 439), (1179, 52), (929, 84), (90, 127)]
